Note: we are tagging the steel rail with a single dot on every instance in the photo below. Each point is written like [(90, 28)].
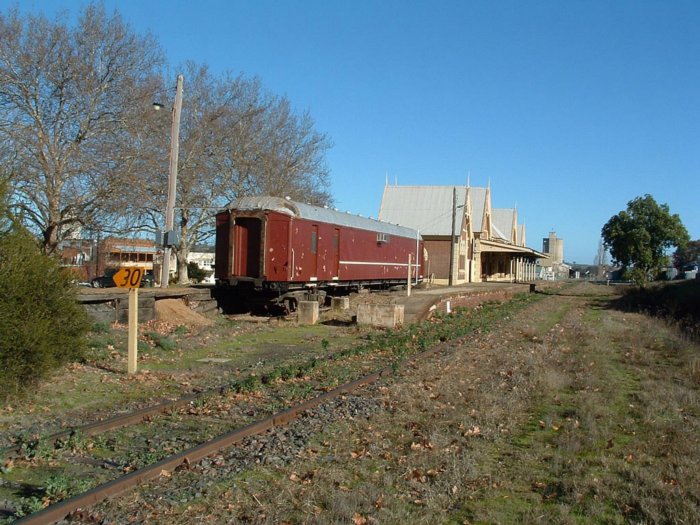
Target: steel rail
[(116, 422), (62, 509)]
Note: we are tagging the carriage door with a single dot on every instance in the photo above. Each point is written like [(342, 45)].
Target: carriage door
[(314, 251), (247, 242), (276, 257), (335, 255)]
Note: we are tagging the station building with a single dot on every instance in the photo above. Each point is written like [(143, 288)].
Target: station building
[(465, 238)]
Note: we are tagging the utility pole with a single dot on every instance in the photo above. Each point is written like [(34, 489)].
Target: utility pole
[(172, 183), (452, 237)]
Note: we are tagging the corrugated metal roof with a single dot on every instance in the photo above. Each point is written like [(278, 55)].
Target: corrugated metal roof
[(478, 199), (317, 213), (521, 235), (425, 208), (502, 223)]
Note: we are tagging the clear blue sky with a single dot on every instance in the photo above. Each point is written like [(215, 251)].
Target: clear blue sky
[(569, 108)]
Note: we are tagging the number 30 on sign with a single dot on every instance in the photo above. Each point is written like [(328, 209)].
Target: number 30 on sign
[(129, 277)]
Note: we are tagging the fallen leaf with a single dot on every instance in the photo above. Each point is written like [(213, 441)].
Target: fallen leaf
[(359, 519), (474, 431)]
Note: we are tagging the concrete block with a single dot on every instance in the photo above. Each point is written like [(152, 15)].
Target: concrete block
[(308, 312), (380, 315), (340, 303), (364, 314)]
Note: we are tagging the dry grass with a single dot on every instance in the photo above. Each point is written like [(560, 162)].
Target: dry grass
[(569, 413)]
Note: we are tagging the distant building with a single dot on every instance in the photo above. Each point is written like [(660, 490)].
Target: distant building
[(89, 259), (553, 267), (481, 244), (554, 247), (205, 261)]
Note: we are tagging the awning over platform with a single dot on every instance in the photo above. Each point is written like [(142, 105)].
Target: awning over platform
[(501, 247)]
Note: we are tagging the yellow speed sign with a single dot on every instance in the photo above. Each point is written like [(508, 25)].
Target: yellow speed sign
[(129, 277)]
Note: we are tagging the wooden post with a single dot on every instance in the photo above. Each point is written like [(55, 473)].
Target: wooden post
[(408, 289), (450, 278), (133, 329)]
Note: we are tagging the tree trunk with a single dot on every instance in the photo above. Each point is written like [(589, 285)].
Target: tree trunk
[(183, 276)]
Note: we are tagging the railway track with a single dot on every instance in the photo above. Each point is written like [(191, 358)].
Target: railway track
[(189, 456), (149, 443)]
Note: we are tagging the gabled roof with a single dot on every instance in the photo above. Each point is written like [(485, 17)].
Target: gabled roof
[(504, 224), (521, 235), (478, 197), (425, 208)]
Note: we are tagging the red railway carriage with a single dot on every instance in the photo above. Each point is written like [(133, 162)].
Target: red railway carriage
[(277, 245)]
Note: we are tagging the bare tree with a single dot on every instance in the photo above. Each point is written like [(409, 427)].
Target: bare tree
[(69, 101), (292, 156), (235, 140), (84, 149)]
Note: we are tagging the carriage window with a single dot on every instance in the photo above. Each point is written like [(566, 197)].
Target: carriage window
[(314, 240), (382, 237)]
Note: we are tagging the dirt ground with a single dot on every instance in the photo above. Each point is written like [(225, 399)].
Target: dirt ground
[(177, 313)]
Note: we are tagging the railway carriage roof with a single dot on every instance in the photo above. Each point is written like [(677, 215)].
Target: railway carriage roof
[(320, 214)]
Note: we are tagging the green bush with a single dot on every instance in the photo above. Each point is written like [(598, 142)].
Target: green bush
[(195, 273), (41, 324)]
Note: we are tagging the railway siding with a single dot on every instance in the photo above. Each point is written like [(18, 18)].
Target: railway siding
[(110, 305)]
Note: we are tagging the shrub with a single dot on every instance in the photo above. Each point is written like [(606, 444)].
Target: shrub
[(195, 273), (41, 324)]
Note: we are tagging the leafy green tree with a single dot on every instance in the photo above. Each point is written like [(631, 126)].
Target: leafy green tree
[(41, 324), (690, 253), (639, 236)]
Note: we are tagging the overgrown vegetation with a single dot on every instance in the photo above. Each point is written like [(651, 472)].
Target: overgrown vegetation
[(574, 413), (41, 324), (400, 343), (678, 303)]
